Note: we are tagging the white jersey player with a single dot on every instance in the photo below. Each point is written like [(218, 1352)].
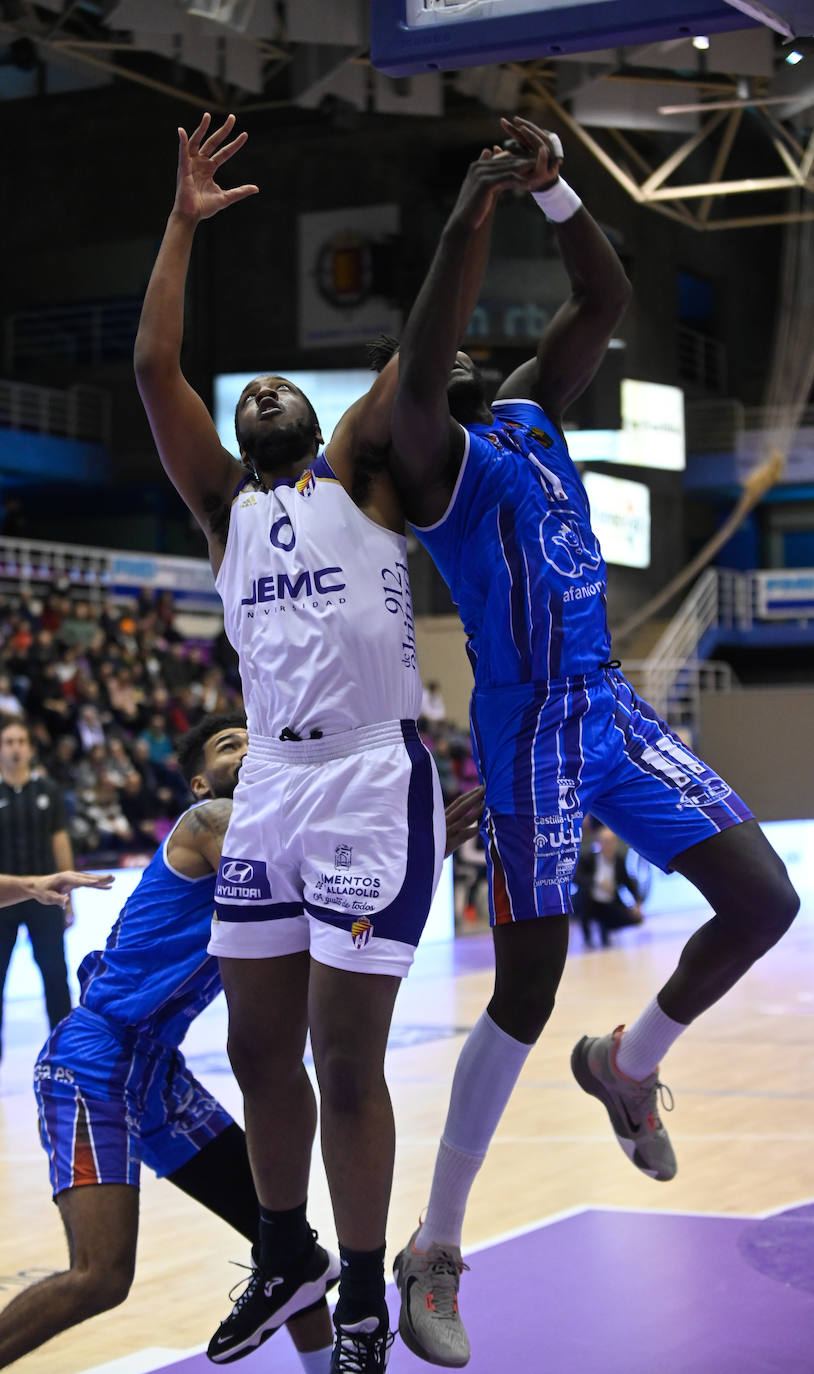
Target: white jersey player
[(337, 831)]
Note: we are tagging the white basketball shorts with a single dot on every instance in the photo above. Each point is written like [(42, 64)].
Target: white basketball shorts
[(335, 846)]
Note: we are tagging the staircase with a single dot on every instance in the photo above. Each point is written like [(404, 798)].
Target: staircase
[(672, 676)]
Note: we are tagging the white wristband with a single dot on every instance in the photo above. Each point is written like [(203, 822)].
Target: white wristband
[(559, 202)]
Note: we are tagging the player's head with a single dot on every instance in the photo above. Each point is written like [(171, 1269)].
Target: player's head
[(16, 748), (210, 754), (276, 426), (466, 392)]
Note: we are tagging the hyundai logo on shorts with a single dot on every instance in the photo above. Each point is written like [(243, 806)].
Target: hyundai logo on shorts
[(237, 871)]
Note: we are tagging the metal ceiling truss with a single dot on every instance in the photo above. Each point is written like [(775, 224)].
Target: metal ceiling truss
[(692, 204), (652, 192), (82, 33)]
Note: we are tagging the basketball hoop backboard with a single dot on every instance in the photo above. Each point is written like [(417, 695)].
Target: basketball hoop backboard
[(410, 36)]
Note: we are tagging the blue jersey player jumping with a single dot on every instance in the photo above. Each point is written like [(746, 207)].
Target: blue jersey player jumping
[(493, 495)]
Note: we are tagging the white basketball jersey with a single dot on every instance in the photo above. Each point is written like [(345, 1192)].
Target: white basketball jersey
[(316, 601)]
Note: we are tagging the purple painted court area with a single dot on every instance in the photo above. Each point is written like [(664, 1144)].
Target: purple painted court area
[(615, 1292)]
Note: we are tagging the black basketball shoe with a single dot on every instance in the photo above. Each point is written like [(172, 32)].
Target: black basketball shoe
[(361, 1347), (268, 1300)]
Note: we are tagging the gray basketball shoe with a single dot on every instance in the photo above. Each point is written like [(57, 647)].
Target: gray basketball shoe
[(631, 1106), (429, 1322)]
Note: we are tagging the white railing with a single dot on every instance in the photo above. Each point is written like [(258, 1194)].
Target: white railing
[(38, 566), (718, 426), (719, 597), (81, 412), (30, 565), (680, 702), (679, 642), (672, 676)]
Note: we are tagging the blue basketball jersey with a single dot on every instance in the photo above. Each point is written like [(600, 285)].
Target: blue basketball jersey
[(516, 549), (153, 976)]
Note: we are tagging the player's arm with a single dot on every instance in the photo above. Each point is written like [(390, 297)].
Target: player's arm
[(428, 444), (52, 889), (200, 468), (574, 343), (367, 423), (196, 843)]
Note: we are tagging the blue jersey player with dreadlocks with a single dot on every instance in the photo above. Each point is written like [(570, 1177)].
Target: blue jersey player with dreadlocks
[(558, 732)]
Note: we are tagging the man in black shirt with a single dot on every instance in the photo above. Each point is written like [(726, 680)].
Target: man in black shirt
[(33, 840)]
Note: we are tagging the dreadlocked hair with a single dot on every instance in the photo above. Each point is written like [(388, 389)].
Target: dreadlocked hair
[(380, 350)]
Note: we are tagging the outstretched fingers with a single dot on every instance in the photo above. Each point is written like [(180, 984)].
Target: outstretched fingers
[(194, 141), (239, 193), (229, 150), (217, 136)]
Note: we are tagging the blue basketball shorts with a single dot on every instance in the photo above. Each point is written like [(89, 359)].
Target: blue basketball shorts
[(335, 846), (550, 754), (107, 1101)]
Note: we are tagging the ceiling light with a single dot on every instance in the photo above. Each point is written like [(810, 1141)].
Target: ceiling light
[(794, 57), (701, 42)]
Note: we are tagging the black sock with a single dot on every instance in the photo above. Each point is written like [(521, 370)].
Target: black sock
[(361, 1287), (203, 1177), (284, 1238)]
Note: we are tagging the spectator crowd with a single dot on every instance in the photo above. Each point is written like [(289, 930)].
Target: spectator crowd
[(106, 690)]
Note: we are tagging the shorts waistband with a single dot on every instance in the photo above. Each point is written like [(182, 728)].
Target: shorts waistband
[(553, 686), (338, 746)]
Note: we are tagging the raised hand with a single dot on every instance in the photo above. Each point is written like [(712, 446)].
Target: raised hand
[(197, 194), (495, 170), (527, 139)]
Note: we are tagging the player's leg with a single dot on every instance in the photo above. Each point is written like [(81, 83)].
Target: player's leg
[(268, 1000), (47, 933), (375, 849), (748, 888), (532, 763), (219, 1176), (94, 1165), (101, 1226), (529, 959), (671, 807), (261, 937), (268, 1008), (529, 962), (350, 1021)]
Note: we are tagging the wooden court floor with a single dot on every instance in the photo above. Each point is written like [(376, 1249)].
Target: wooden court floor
[(743, 1127)]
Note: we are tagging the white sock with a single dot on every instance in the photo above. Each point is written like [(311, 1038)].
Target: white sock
[(316, 1361), (488, 1067), (644, 1044)]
